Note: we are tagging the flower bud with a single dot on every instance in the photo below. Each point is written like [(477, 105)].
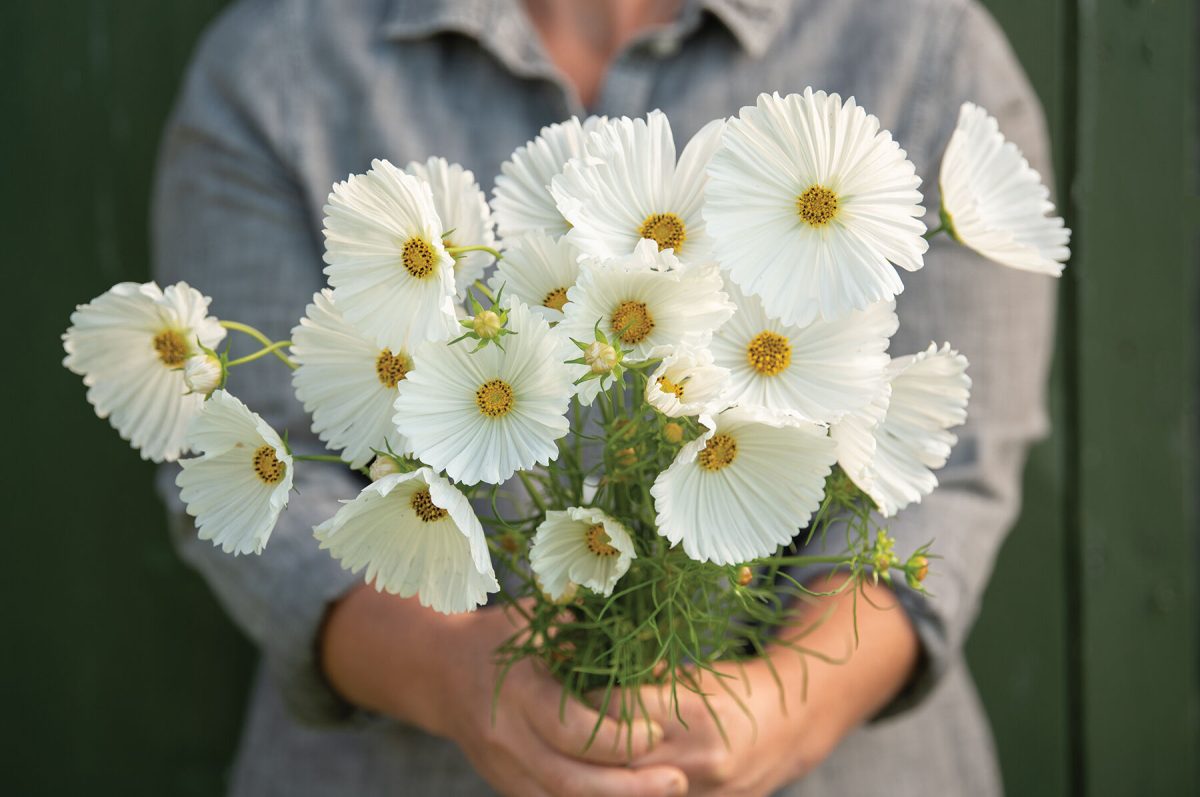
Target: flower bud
[(745, 576), (383, 466), (487, 325), (673, 433), (627, 457), (916, 570), (600, 357), (202, 373)]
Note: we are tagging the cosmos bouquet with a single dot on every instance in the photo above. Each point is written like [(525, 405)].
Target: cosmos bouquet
[(675, 375)]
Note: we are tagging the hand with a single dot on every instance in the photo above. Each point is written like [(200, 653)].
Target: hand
[(785, 740), (438, 673)]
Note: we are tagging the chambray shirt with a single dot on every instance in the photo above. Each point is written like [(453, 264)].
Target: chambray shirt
[(285, 97)]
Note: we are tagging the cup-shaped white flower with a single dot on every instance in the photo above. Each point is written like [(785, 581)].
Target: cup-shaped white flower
[(391, 274), (811, 206), (580, 546), (744, 487), (629, 188), (820, 371), (240, 483), (687, 382), (522, 199), (483, 415), (463, 210), (347, 382), (538, 271), (647, 309), (415, 534), (995, 203), (130, 345), (891, 448)]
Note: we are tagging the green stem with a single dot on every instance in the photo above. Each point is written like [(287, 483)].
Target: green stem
[(485, 290), (935, 231), (272, 349), (531, 488), (261, 338), (455, 251)]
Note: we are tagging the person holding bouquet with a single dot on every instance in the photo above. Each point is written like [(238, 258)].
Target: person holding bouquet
[(367, 693)]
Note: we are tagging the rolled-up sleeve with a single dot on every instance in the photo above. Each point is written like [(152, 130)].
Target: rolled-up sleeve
[(229, 219), (1003, 321)]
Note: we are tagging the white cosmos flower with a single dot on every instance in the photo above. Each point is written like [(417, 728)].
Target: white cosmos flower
[(391, 275), (687, 382), (647, 301), (415, 534), (744, 487), (538, 270), (522, 199), (995, 201), (463, 210), (629, 188), (483, 416), (891, 449), (130, 345), (580, 547), (810, 204), (820, 371), (347, 382), (240, 483)]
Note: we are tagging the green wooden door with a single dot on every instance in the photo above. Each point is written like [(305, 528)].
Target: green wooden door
[(127, 679)]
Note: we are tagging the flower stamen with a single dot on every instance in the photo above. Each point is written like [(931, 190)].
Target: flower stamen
[(418, 257), (267, 466), (172, 348), (719, 452), (494, 398), (817, 206), (555, 299), (422, 503), (665, 229), (598, 541), (769, 353), (667, 386), (632, 322), (390, 368)]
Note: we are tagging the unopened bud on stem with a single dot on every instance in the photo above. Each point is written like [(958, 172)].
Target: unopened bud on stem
[(600, 357), (383, 466), (202, 373), (487, 325)]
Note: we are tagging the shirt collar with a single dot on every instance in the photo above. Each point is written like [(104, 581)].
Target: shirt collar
[(502, 25)]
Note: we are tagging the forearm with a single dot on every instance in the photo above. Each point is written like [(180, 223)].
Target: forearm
[(386, 654), (846, 682)]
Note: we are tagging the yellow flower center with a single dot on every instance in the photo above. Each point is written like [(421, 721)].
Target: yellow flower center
[(769, 353), (817, 206), (494, 398), (555, 299), (667, 386), (422, 503), (391, 368), (598, 541), (419, 258), (172, 348), (632, 322), (719, 452), (665, 229), (267, 466)]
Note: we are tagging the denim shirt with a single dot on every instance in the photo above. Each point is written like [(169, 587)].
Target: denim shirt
[(285, 97)]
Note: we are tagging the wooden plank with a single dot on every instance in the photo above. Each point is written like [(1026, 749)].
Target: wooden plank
[(1018, 650), (127, 677), (1137, 301)]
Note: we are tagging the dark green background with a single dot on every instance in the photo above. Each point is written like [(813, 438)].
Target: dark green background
[(122, 676)]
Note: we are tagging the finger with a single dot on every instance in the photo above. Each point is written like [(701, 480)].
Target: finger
[(583, 733), (564, 777)]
